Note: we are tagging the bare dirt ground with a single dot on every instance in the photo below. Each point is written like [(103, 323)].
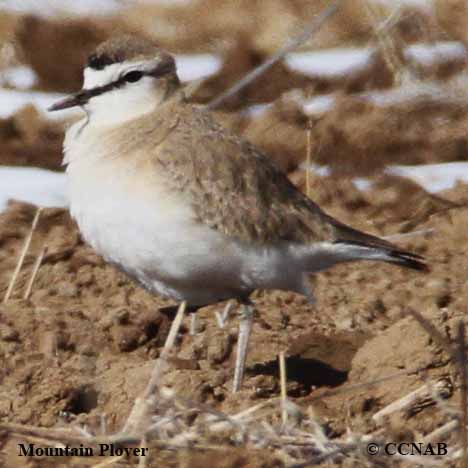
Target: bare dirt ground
[(80, 350)]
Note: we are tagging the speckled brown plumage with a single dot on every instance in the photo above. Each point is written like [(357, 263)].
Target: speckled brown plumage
[(231, 185)]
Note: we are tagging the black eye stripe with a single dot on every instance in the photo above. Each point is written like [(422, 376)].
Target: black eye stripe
[(130, 77), (133, 76), (87, 94)]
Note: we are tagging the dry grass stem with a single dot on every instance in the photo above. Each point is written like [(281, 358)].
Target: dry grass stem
[(283, 380), (407, 401), (37, 265), (439, 339), (309, 158), (171, 337), (245, 327), (193, 325), (143, 405), (222, 318), (387, 41), (143, 460), (293, 44), (174, 431), (441, 432), (22, 256), (404, 235)]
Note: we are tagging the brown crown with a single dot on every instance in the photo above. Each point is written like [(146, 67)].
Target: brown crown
[(122, 48)]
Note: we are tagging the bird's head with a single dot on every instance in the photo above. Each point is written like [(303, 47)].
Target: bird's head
[(124, 78)]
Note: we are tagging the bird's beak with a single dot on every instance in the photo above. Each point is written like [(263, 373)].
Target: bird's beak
[(77, 99)]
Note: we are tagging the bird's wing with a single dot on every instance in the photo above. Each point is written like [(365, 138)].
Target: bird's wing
[(234, 188)]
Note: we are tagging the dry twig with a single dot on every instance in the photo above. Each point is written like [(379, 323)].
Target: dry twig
[(309, 157), (142, 408), (22, 256), (36, 267), (291, 45), (283, 379)]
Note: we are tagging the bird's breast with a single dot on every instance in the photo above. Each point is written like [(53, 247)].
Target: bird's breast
[(133, 222), (125, 215)]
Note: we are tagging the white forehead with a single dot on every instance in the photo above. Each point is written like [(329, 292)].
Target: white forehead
[(110, 73)]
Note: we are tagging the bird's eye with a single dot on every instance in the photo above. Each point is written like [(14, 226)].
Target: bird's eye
[(133, 76)]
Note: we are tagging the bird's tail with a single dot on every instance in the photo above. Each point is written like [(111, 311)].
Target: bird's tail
[(367, 247), (389, 254)]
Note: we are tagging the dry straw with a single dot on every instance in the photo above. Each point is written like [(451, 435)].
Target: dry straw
[(37, 265), (283, 381), (22, 256), (291, 45)]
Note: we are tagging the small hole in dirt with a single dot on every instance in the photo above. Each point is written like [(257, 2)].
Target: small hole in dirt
[(444, 301), (82, 400), (151, 330), (369, 404), (307, 372)]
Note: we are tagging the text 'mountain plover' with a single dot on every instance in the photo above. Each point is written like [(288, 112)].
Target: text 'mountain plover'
[(185, 207)]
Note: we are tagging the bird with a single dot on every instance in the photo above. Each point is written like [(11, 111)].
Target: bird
[(185, 207)]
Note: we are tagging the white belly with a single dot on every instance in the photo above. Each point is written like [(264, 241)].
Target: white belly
[(125, 213), (159, 246)]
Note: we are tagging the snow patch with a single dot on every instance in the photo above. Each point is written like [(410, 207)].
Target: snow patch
[(48, 8), (13, 100), (329, 63), (32, 185), (426, 5), (19, 77), (319, 104), (196, 66), (431, 54), (339, 62), (432, 177)]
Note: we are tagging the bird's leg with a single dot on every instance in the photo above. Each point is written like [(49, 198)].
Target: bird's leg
[(245, 327), (193, 325)]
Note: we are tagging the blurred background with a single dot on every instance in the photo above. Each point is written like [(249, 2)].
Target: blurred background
[(381, 85)]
